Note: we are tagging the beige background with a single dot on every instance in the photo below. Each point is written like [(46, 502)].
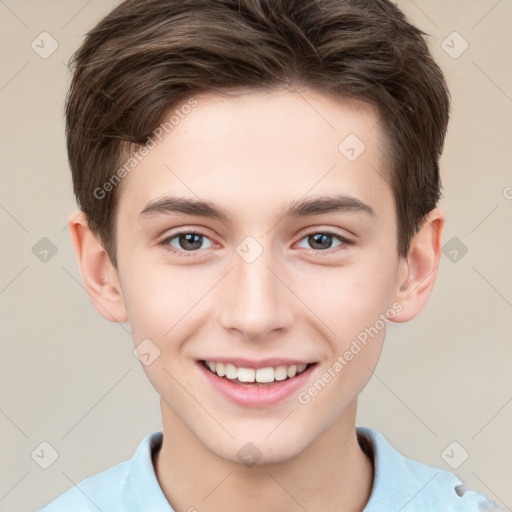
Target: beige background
[(69, 378)]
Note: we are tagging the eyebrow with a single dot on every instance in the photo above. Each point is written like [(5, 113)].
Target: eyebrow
[(301, 208)]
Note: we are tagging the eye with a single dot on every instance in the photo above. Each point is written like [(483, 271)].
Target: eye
[(185, 241), (322, 240)]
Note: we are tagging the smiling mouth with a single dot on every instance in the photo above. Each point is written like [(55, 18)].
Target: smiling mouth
[(255, 377)]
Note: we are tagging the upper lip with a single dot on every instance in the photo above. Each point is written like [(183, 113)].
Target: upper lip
[(241, 362)]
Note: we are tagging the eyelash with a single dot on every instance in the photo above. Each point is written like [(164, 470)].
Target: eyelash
[(166, 242)]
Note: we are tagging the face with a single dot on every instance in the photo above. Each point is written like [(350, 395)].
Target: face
[(291, 261)]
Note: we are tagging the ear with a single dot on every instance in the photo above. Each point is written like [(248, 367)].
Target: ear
[(418, 271), (99, 276)]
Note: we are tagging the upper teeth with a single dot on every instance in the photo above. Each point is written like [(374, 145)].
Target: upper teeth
[(262, 375)]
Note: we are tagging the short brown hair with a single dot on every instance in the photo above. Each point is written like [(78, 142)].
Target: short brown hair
[(147, 56)]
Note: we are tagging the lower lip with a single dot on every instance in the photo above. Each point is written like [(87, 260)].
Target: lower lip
[(254, 395)]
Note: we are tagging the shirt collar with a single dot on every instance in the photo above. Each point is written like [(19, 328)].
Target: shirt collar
[(403, 484), (399, 483)]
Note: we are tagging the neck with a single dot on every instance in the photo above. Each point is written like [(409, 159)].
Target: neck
[(331, 474)]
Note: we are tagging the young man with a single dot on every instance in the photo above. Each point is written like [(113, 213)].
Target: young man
[(257, 183)]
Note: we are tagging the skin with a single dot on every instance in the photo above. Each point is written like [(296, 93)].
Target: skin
[(254, 154)]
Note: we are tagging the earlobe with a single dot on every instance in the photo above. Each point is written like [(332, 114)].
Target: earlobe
[(420, 268), (99, 276)]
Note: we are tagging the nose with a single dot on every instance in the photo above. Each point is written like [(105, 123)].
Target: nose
[(256, 300)]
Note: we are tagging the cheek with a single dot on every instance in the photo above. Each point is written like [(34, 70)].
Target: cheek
[(157, 302), (157, 297), (348, 299), (342, 380)]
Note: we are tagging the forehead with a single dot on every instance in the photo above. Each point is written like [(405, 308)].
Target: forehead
[(254, 151)]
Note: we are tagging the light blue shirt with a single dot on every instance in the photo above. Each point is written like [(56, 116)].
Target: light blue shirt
[(400, 485)]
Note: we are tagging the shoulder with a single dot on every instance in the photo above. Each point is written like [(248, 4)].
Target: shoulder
[(97, 492), (402, 483), (120, 488)]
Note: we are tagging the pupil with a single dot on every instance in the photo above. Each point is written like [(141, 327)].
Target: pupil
[(188, 238), (318, 238)]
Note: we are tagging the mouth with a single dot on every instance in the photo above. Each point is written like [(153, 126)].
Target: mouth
[(256, 377), (259, 384)]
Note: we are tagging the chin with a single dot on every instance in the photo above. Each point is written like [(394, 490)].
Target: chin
[(251, 450)]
